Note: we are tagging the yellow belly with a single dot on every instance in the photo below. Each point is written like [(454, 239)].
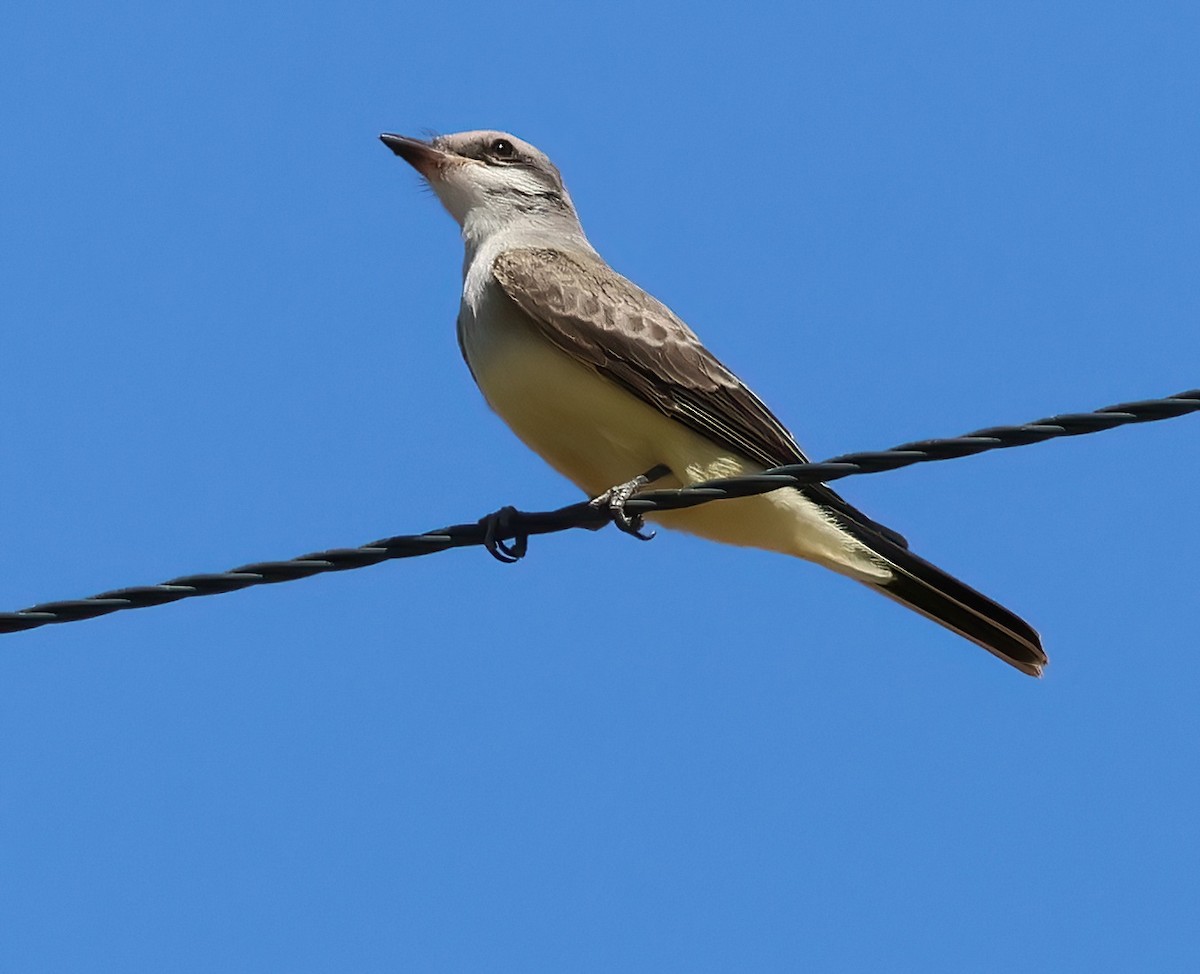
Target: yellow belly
[(597, 434)]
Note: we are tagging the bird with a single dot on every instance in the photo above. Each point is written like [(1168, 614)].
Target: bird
[(614, 391)]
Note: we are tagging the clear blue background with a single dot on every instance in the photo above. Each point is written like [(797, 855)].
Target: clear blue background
[(227, 335)]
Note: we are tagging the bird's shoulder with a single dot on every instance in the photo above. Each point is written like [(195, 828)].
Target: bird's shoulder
[(580, 294)]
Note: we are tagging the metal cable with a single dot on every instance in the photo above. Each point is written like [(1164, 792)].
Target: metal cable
[(512, 525)]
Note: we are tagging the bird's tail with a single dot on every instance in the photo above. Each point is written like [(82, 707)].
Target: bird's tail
[(927, 589), (951, 603)]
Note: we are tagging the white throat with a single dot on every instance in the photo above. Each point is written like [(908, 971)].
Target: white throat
[(521, 225)]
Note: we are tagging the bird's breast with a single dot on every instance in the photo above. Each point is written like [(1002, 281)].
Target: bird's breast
[(589, 429)]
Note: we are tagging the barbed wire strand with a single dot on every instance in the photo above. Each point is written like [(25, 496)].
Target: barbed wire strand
[(513, 525)]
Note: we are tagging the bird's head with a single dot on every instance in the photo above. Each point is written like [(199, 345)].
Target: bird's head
[(490, 179)]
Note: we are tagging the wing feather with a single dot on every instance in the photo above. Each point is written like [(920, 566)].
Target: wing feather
[(607, 322), (604, 320)]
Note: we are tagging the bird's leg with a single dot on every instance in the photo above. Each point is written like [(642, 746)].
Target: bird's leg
[(499, 523), (615, 497)]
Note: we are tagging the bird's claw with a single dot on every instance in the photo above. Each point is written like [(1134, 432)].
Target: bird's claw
[(614, 500), (500, 522)]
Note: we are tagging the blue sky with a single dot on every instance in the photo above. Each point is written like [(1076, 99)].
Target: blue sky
[(228, 335)]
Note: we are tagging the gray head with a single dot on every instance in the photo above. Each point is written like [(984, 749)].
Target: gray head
[(488, 180)]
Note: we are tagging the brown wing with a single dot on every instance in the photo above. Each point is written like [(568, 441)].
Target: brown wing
[(602, 319)]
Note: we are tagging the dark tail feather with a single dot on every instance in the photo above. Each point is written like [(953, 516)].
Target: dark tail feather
[(946, 600), (951, 603)]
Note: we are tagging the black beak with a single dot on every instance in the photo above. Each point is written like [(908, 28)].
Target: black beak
[(420, 155)]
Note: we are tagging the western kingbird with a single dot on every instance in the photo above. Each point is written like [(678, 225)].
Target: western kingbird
[(605, 383)]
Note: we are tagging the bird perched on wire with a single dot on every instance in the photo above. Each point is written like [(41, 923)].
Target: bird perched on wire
[(615, 392)]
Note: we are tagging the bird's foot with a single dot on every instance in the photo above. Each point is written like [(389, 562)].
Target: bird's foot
[(615, 497), (500, 522)]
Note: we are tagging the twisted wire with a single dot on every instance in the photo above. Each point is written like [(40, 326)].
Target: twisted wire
[(520, 525)]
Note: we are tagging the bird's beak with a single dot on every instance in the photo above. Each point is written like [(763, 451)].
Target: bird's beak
[(422, 156)]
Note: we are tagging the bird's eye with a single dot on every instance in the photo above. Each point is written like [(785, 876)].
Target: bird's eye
[(503, 149)]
